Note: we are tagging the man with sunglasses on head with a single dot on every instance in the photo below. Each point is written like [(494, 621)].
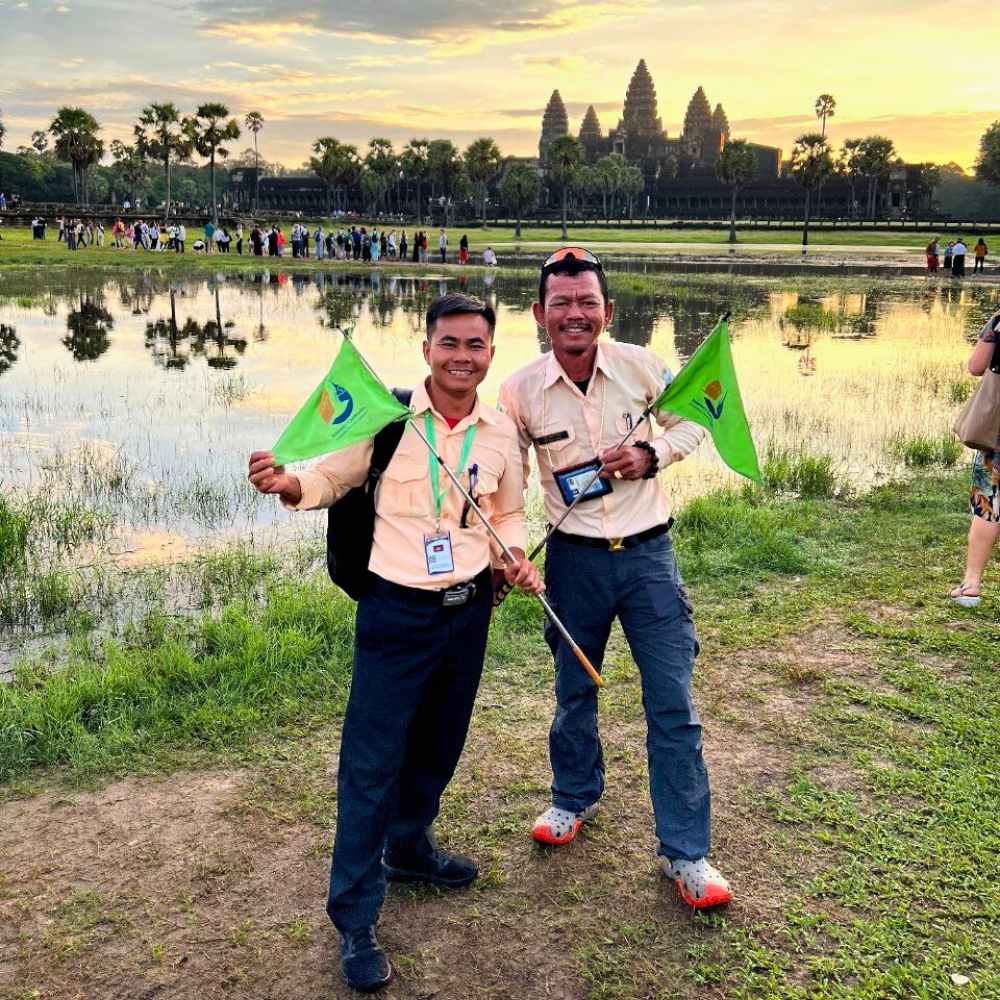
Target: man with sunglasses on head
[(612, 558)]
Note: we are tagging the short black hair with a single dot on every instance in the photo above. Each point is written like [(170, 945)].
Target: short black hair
[(572, 265), (459, 304)]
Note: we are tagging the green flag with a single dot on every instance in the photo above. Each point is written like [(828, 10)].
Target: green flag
[(348, 406), (706, 392)]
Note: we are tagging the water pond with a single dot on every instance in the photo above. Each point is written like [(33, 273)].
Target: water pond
[(138, 397)]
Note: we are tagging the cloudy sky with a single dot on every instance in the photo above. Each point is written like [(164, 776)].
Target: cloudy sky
[(924, 73)]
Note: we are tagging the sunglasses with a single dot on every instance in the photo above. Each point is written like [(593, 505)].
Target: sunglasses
[(577, 253)]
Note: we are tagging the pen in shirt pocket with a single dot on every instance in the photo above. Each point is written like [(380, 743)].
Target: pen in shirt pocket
[(473, 482)]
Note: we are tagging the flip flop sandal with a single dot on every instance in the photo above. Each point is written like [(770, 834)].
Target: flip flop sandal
[(959, 596)]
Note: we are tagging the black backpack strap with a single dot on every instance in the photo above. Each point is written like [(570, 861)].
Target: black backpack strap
[(387, 440)]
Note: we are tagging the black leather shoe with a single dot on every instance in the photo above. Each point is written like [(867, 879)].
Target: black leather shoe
[(426, 862), (363, 962)]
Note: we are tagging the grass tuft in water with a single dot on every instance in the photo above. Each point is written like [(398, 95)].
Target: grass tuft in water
[(790, 470), (920, 451)]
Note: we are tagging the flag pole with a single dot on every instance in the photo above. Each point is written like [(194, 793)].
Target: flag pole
[(570, 641), (508, 555)]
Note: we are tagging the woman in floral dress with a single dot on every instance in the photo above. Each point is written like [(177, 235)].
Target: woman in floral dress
[(985, 497)]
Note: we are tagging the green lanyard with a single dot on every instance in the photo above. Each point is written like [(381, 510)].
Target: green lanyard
[(435, 474)]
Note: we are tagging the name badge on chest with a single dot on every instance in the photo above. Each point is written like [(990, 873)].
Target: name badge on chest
[(437, 551), (581, 479)]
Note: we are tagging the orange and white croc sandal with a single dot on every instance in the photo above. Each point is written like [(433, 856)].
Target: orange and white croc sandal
[(701, 886), (556, 827)]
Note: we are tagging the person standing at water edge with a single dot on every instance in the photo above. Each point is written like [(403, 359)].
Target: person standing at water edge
[(443, 246), (979, 251), (958, 259), (932, 256), (613, 558), (984, 500), (420, 635)]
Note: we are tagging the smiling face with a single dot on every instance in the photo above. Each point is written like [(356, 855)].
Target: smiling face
[(459, 352), (574, 312)]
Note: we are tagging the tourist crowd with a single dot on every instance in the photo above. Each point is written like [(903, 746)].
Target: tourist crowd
[(358, 243), (955, 252)]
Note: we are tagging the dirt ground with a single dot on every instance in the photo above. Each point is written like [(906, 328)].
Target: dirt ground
[(211, 883)]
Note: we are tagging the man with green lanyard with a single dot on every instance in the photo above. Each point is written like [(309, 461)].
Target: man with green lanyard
[(420, 635)]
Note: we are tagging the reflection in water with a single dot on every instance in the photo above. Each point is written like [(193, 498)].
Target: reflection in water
[(172, 347), (164, 400), (9, 343), (88, 327)]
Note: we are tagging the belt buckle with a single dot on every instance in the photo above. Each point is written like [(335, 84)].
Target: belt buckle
[(458, 595), (615, 544)]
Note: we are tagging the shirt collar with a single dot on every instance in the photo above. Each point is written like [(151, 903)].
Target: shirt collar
[(421, 401), (555, 371)]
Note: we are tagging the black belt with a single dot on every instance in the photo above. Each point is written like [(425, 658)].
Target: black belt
[(452, 597), (615, 544)]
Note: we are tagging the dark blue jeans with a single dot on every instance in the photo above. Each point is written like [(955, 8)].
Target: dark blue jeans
[(416, 672), (589, 588)]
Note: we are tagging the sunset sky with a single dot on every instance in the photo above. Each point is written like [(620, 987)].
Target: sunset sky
[(925, 74)]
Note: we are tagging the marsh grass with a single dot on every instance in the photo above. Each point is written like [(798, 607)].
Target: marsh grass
[(919, 451), (205, 684), (794, 470)]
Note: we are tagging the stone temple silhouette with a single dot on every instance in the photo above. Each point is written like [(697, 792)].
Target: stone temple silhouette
[(641, 138)]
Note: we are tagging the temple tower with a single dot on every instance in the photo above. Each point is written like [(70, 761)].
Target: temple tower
[(720, 123), (591, 136), (555, 123), (639, 117), (698, 119)]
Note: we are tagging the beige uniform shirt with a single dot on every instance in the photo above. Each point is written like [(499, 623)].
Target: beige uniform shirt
[(404, 502), (567, 428)]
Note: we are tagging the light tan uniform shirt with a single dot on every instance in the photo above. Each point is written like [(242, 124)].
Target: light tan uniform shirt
[(404, 502), (568, 428)]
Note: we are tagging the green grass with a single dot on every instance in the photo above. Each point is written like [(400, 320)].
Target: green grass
[(796, 471), (866, 851), (919, 451), (18, 249)]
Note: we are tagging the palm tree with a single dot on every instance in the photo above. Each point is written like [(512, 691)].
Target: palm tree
[(444, 166), (207, 129), (878, 154), (826, 106), (482, 161), (609, 171), (76, 143), (736, 166), (335, 164), (633, 183), (39, 141), (130, 165), (563, 157), (811, 164), (415, 167), (3, 131), (160, 135), (849, 164), (381, 162), (254, 121), (520, 188)]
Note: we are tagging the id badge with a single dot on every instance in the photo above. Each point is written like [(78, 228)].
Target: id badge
[(577, 479), (437, 550)]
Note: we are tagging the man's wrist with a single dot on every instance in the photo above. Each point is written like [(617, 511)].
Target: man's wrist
[(653, 460), (293, 494)]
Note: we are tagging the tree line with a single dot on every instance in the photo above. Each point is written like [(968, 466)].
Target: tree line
[(165, 140)]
